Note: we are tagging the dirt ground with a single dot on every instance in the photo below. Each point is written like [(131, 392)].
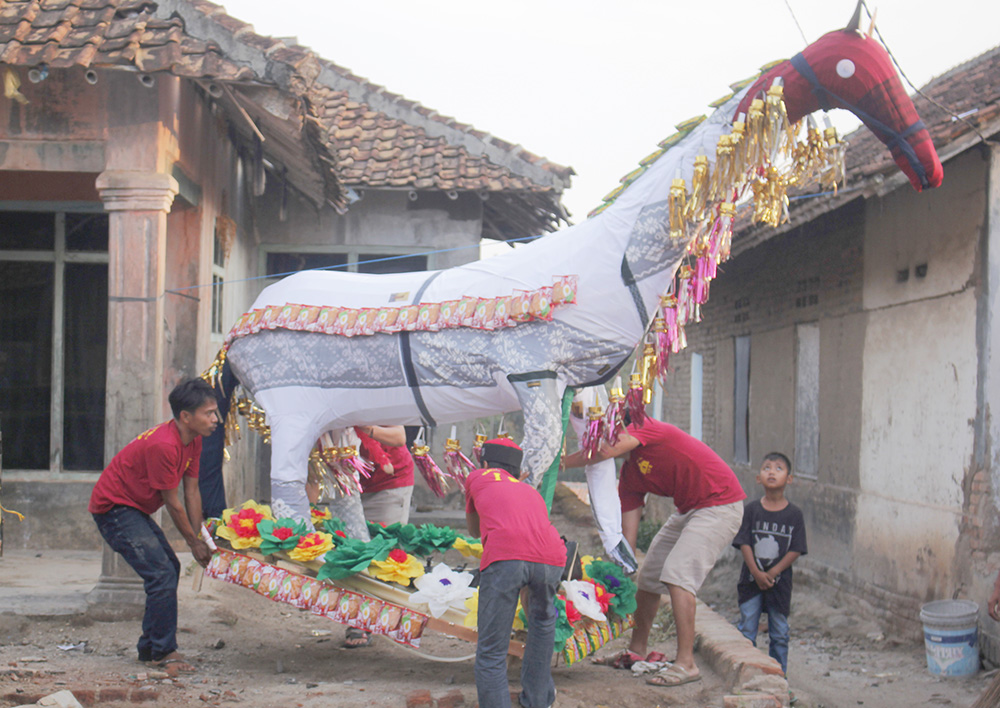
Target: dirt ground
[(838, 659), (253, 652)]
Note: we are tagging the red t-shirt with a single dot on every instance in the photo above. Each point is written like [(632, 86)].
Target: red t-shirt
[(155, 461), (670, 463), (513, 521), (402, 472)]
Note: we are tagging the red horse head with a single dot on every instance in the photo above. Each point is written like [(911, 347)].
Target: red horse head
[(845, 69)]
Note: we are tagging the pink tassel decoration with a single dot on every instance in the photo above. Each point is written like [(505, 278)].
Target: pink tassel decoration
[(428, 468), (614, 423), (634, 400), (477, 448), (456, 464), (593, 434), (323, 462), (352, 463)]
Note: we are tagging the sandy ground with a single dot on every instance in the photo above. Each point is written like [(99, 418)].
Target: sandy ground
[(253, 652), (838, 659)]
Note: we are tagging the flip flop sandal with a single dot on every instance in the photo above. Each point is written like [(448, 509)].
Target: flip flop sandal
[(357, 635), (622, 660), (673, 675), (173, 666)]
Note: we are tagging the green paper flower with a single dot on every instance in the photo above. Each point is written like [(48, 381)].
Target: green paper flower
[(614, 581), (352, 556), (332, 526), (280, 535), (438, 538), (564, 630)]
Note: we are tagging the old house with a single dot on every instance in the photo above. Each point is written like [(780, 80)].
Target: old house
[(859, 338), (159, 163)]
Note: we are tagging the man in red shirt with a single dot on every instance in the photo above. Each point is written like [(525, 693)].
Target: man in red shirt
[(664, 460), (144, 476), (386, 493), (520, 549)]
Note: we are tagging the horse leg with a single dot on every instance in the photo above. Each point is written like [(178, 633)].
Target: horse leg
[(540, 396), (292, 439)]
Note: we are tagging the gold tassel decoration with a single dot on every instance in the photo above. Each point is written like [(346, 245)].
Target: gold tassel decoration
[(779, 136), (770, 197), (647, 371), (835, 150), (756, 129), (700, 182), (676, 204), (739, 145), (722, 175)]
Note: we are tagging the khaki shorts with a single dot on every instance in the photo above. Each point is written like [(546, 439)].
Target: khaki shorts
[(388, 506), (686, 547)]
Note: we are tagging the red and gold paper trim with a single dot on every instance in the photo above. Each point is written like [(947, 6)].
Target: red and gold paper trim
[(400, 624), (475, 312), (591, 636)]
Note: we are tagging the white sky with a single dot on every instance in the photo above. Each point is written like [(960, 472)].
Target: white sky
[(595, 85)]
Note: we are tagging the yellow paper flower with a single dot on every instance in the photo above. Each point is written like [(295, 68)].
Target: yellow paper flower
[(319, 515), (584, 562), (311, 546), (400, 567), (239, 525), (472, 616), (469, 550)]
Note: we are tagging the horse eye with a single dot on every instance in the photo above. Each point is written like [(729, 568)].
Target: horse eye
[(845, 68)]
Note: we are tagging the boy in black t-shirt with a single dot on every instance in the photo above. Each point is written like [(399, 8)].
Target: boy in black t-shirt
[(772, 536)]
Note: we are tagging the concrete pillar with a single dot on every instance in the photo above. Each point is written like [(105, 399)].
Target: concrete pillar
[(137, 203)]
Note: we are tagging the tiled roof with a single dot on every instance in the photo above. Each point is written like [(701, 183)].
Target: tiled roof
[(363, 136), (970, 91)]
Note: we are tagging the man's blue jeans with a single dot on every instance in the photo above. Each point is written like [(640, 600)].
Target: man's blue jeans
[(777, 628), (142, 544), (499, 587)]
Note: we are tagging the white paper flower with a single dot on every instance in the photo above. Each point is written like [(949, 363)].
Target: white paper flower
[(442, 589), (583, 595)]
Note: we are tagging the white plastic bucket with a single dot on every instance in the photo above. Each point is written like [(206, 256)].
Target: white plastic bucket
[(951, 637)]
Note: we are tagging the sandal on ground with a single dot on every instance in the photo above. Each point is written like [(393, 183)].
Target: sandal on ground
[(622, 660), (357, 638), (173, 664), (672, 675)]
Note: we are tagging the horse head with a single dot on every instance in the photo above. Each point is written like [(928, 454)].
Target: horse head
[(847, 69)]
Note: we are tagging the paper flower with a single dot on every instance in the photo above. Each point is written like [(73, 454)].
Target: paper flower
[(468, 548), (603, 598), (472, 605), (572, 614), (564, 630), (319, 515), (400, 567), (435, 538), (352, 556), (280, 535), (583, 595), (239, 526), (333, 525), (611, 577), (311, 546), (584, 562), (442, 589)]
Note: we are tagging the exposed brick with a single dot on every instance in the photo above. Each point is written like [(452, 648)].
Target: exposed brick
[(419, 699), (144, 695), (87, 697), (109, 694), (452, 699), (751, 700)]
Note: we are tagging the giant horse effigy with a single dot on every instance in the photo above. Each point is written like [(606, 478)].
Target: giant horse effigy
[(321, 351)]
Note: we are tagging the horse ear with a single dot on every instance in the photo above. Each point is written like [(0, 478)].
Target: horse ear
[(871, 25), (855, 24)]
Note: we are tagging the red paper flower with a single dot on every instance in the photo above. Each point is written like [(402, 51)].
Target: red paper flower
[(398, 555), (572, 614), (603, 597), (340, 533), (245, 523), (282, 532)]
